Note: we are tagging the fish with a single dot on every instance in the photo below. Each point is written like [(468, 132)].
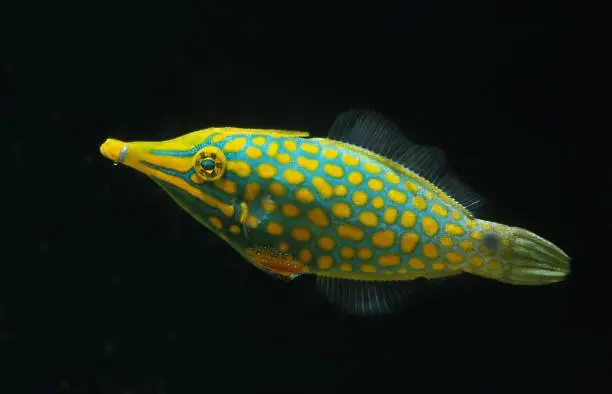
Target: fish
[(365, 211)]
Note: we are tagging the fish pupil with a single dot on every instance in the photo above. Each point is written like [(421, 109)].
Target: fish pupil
[(208, 164)]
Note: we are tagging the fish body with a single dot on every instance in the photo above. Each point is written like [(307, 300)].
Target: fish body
[(364, 207)]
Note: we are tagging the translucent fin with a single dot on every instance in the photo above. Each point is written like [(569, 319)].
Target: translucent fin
[(365, 298), (373, 132)]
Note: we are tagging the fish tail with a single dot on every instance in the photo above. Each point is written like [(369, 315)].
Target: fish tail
[(529, 259)]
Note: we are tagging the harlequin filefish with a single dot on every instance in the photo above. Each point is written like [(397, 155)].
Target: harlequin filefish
[(365, 210)]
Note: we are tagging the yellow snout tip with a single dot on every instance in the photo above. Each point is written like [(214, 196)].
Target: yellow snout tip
[(114, 150)]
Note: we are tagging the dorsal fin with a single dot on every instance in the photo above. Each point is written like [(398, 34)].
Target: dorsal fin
[(371, 131)]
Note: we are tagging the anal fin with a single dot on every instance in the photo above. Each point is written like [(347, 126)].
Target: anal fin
[(366, 298)]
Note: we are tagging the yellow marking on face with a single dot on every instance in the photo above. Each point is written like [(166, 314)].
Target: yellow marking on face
[(340, 191), (333, 170), (438, 266), (307, 163), (293, 177), (350, 160), (378, 202), (305, 256), (235, 145), (346, 267), (275, 228), (429, 195), (419, 203), (325, 243), (253, 153), (430, 226), (397, 196), (251, 191), (341, 210), (412, 187), (252, 221), (466, 245), (309, 148), (360, 198), (364, 253), (408, 219), (416, 263), (324, 188), (347, 252), (456, 215), (393, 178), (226, 185), (226, 209), (375, 184), (477, 235), (283, 158), (371, 168), (476, 261), (367, 268), (390, 215), (494, 264), (453, 229), (234, 229), (439, 210), (304, 195), (325, 262), (216, 222), (349, 231), (196, 179), (355, 178), (259, 141), (290, 145), (268, 205), (388, 260), (330, 153), (283, 246), (486, 227), (273, 149), (408, 242), (318, 217), (383, 239), (447, 242), (240, 168), (179, 164), (430, 250), (470, 223), (402, 270), (454, 257), (266, 171), (300, 234), (276, 189), (290, 210), (219, 137), (368, 219)]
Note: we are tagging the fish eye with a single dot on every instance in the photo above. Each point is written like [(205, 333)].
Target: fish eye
[(209, 163)]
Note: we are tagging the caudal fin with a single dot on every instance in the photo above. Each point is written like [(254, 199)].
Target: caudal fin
[(532, 260)]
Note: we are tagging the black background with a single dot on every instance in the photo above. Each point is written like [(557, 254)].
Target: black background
[(109, 287)]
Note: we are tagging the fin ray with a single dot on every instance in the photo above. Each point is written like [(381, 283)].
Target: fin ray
[(365, 298), (371, 131)]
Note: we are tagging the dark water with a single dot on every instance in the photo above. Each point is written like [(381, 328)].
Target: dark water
[(108, 287)]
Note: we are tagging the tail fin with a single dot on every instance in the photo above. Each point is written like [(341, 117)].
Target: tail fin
[(532, 260)]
